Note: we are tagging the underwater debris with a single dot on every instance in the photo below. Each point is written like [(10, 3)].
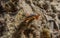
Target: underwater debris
[(2, 27)]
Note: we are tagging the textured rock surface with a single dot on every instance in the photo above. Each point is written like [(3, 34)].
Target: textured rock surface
[(42, 18)]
